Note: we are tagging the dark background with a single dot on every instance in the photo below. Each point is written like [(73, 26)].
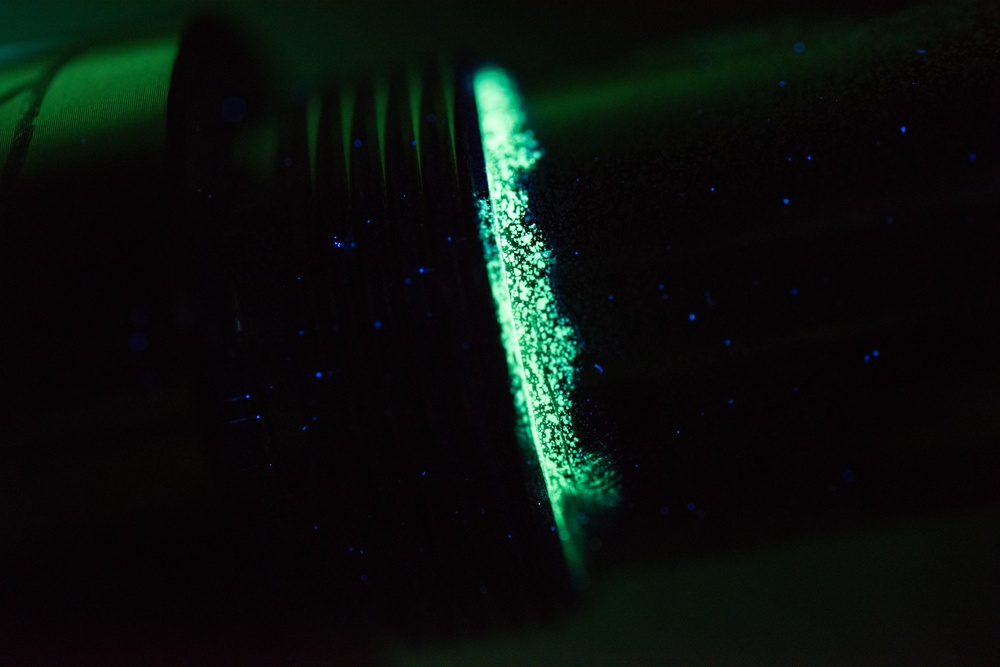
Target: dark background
[(785, 500)]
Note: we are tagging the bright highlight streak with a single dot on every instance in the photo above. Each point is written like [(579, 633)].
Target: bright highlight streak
[(539, 340)]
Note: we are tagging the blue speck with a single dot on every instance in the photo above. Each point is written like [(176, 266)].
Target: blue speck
[(302, 332), (315, 527), (576, 253), (314, 418), (357, 143), (298, 277), (727, 342), (789, 158), (138, 342), (234, 109), (247, 397), (867, 358), (875, 353), (599, 369), (692, 317), (258, 416), (319, 374), (664, 510), (730, 401), (781, 84), (809, 158), (972, 157), (690, 506), (794, 291), (611, 297), (421, 270), (799, 47), (712, 189), (921, 51), (364, 577), (902, 129), (84, 140), (378, 324), (423, 474), (552, 529), (660, 285), (304, 428), (407, 281), (786, 201), (413, 143)]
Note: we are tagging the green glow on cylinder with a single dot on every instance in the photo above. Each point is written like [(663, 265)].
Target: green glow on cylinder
[(415, 89), (346, 118), (313, 112), (539, 340), (381, 94)]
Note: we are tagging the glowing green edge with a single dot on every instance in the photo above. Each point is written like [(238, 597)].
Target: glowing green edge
[(539, 340)]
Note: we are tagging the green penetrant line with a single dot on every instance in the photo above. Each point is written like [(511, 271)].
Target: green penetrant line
[(539, 340)]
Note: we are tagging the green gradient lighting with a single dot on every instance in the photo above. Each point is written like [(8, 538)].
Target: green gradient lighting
[(539, 340)]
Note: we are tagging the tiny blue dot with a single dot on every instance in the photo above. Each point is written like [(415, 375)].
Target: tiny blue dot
[(712, 189), (902, 129), (552, 529), (407, 281), (785, 201), (319, 374), (258, 416), (875, 353), (692, 317), (247, 397), (599, 369), (611, 297), (795, 291), (921, 51), (781, 84), (972, 157), (138, 342), (304, 428), (423, 474), (364, 577), (413, 143), (315, 527), (660, 285), (867, 358), (799, 47), (378, 324), (690, 506), (727, 342), (357, 143), (664, 511), (730, 401), (302, 332), (421, 270), (809, 157)]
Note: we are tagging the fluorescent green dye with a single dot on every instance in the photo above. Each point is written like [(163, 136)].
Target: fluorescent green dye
[(540, 342)]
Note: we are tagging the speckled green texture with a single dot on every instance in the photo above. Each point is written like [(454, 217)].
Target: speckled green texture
[(540, 342)]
